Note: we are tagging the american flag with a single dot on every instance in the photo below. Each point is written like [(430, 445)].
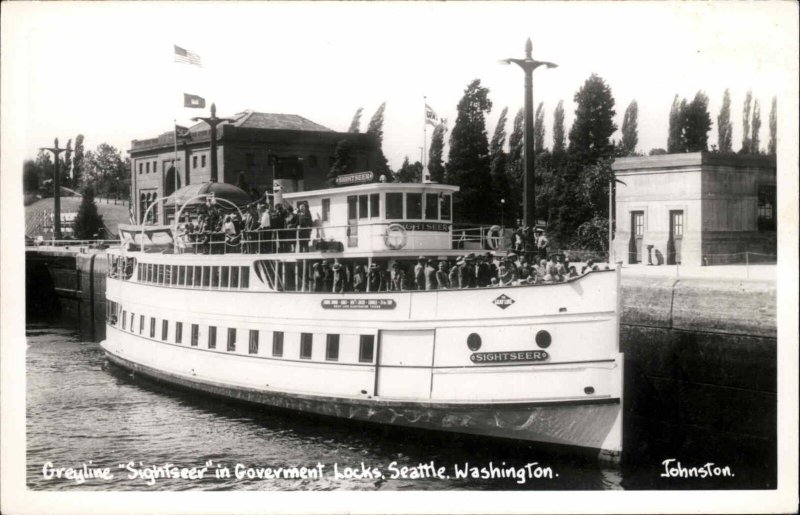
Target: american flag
[(430, 115), (185, 56)]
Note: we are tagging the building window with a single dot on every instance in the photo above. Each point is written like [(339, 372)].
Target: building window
[(231, 340), (178, 332), (203, 161), (638, 224), (312, 161), (277, 344), (431, 206), (332, 347), (445, 202), (147, 167), (250, 159), (253, 344), (326, 209), (363, 206), (152, 327), (194, 161), (141, 167), (766, 208), (164, 329), (414, 206), (375, 205), (306, 340), (394, 206), (366, 348), (195, 335), (212, 337), (677, 224)]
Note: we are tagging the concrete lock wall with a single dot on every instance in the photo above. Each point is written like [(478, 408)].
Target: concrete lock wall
[(701, 357)]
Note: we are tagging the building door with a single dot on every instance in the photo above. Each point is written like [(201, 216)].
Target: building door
[(352, 221), (637, 233), (675, 237)]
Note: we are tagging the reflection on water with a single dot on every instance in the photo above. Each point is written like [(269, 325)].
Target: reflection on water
[(80, 410)]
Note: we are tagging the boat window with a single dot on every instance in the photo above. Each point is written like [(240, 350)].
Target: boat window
[(164, 329), (124, 318), (445, 201), (231, 339), (160, 274), (174, 274), (178, 332), (414, 206), (181, 275), (366, 349), (352, 207), (198, 275), (431, 206), (223, 280), (215, 277), (133, 316), (206, 275), (245, 283), (139, 274), (195, 335), (326, 209), (363, 206), (332, 347), (168, 274), (375, 205), (306, 340), (253, 346), (277, 344), (234, 276), (212, 337), (141, 324), (152, 327), (394, 206)]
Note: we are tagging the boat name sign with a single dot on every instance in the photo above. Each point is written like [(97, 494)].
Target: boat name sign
[(504, 357), (358, 304), (425, 226)]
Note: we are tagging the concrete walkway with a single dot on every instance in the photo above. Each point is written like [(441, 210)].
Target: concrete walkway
[(756, 272)]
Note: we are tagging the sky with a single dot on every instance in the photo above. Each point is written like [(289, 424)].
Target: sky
[(105, 69)]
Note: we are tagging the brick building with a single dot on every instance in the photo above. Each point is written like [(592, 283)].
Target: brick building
[(695, 209), (255, 148)]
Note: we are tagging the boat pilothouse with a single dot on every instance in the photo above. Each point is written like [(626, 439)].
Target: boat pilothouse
[(368, 305)]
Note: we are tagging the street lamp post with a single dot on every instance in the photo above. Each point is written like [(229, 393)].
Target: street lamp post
[(502, 212), (56, 190), (213, 121), (528, 195)]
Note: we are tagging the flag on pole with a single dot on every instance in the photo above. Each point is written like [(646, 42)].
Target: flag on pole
[(193, 101), (181, 131), (430, 115), (185, 56)]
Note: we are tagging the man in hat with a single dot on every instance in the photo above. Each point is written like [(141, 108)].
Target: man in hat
[(452, 276), (511, 267), (442, 277), (430, 277), (484, 272), (541, 243), (374, 278), (397, 277), (467, 272), (327, 276), (338, 276), (419, 273)]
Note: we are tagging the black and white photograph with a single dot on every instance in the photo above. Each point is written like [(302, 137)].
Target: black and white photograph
[(399, 257)]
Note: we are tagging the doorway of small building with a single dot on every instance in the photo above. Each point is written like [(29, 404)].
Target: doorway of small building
[(637, 234), (172, 181), (675, 237)]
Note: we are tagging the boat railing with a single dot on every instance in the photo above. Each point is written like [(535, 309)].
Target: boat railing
[(330, 238)]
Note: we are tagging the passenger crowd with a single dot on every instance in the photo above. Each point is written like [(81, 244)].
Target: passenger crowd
[(468, 271)]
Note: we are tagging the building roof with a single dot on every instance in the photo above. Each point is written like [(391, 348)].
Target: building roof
[(250, 119), (691, 159)]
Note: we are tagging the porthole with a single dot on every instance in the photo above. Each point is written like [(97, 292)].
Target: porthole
[(474, 341), (543, 339)]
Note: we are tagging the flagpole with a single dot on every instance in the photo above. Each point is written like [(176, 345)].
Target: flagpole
[(424, 137), (175, 165)]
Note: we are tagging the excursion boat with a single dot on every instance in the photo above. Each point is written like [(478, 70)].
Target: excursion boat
[(245, 319)]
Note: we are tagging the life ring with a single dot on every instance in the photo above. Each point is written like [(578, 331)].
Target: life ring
[(493, 237), (395, 237)]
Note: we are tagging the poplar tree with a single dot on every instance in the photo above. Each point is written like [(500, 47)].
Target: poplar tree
[(696, 123), (590, 135), (342, 161), (355, 124), (498, 161), (538, 129), (755, 141), (67, 168), (515, 165), (77, 160), (746, 123), (559, 143), (724, 127), (675, 138), (88, 222), (468, 161), (773, 127), (630, 129), (435, 164), (376, 129)]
